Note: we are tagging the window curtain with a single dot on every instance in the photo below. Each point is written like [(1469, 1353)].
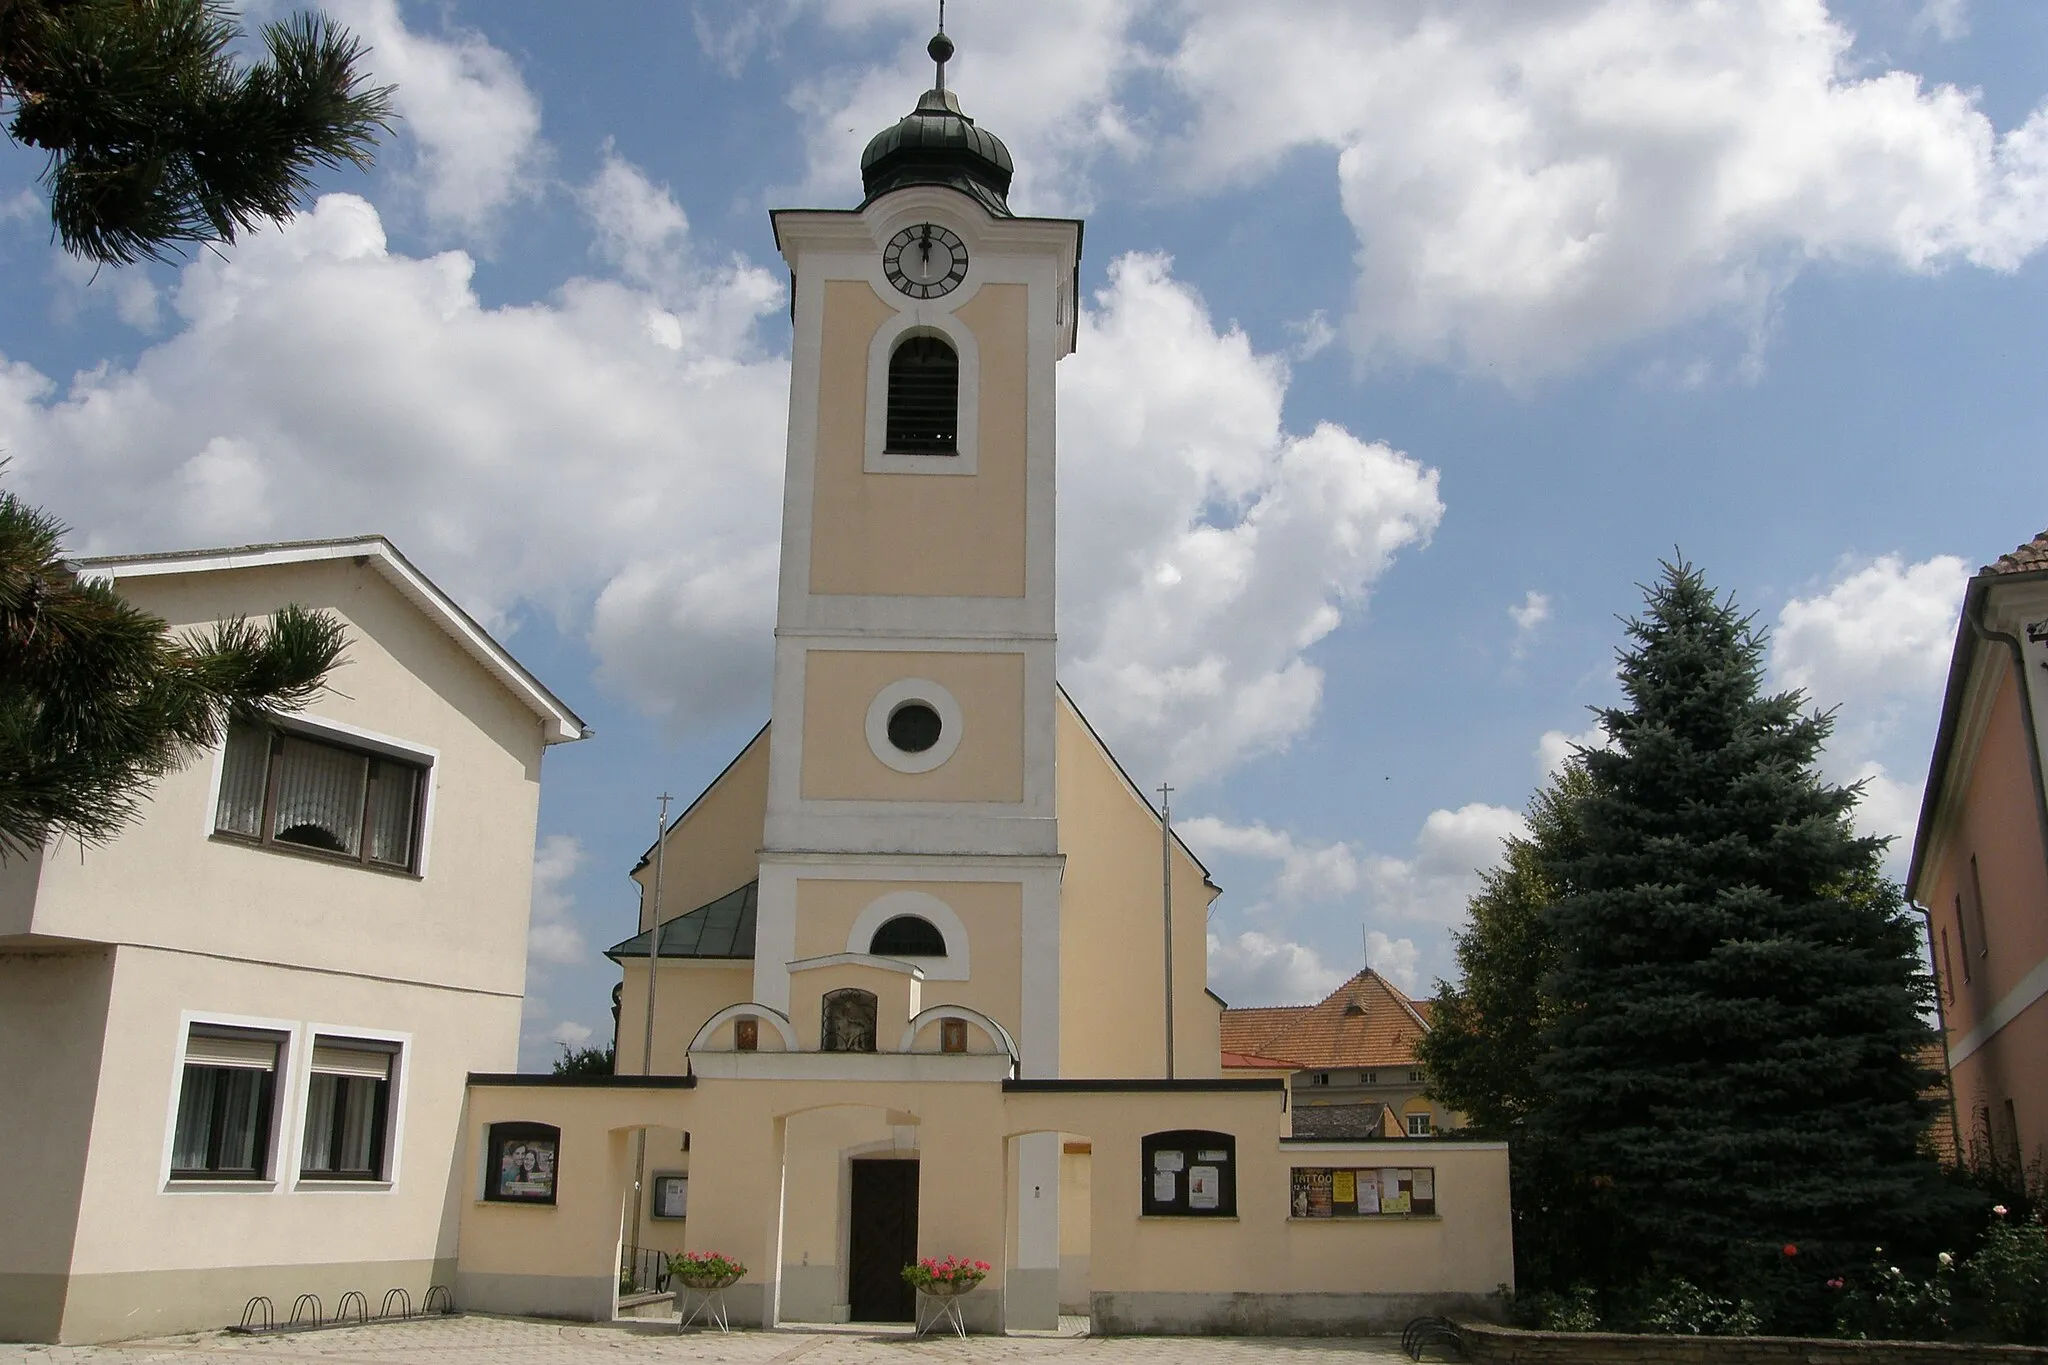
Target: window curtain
[(320, 797), (244, 766), (392, 791)]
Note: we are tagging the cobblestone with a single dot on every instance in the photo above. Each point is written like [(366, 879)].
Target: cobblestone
[(513, 1341)]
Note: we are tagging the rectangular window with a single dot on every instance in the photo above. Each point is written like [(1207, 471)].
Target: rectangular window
[(315, 795), (1418, 1125), (952, 1035), (1977, 906), (348, 1109), (1362, 1192), (1948, 972), (1320, 1078), (225, 1099), (1415, 1078), (1368, 1078), (1963, 938)]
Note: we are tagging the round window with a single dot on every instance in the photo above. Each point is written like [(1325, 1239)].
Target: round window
[(914, 727)]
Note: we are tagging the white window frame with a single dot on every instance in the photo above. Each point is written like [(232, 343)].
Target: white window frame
[(283, 1102), (394, 1109), (353, 737), (923, 321), (1427, 1121)]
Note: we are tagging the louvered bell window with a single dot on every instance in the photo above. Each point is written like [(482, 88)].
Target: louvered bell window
[(924, 398)]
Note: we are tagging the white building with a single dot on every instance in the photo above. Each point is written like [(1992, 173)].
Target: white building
[(233, 1041)]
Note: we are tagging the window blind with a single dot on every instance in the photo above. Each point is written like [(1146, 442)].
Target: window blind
[(251, 1054), (329, 1060)]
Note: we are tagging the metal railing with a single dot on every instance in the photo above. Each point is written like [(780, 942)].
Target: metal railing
[(643, 1270)]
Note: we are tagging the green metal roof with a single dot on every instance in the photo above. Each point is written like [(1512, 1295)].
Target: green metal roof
[(936, 144), (723, 929)]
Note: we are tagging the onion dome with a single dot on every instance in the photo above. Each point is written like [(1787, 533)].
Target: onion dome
[(936, 144)]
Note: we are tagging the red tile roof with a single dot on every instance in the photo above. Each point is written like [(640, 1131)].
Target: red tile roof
[(1365, 1022), (1245, 1061), (2028, 558)]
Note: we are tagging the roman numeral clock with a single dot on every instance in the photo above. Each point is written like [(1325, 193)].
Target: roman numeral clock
[(925, 261)]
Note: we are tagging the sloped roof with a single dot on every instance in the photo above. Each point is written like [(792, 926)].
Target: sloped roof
[(1246, 1030), (721, 929), (1246, 1061), (562, 724), (2028, 558), (1339, 1121), (1365, 1022)]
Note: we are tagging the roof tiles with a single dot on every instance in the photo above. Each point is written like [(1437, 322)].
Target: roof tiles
[(1365, 1022), (2028, 558)]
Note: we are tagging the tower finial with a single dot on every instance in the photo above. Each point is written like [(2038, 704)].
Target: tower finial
[(941, 48)]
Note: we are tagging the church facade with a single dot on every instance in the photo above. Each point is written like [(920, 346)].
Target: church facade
[(906, 984)]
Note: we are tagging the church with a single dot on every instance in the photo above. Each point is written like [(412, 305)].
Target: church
[(922, 973)]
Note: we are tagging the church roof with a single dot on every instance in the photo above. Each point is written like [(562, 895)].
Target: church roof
[(936, 144), (1366, 1022), (723, 928)]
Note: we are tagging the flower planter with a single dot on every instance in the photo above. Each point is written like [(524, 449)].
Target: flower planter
[(706, 1283)]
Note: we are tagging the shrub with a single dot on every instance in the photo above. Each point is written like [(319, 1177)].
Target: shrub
[(2008, 1280), (1685, 1309)]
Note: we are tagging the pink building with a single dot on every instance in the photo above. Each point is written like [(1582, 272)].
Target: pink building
[(1980, 860)]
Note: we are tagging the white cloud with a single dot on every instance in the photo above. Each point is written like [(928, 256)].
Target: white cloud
[(1529, 185), (1556, 747), (552, 934), (1315, 334), (1948, 20), (1528, 616), (1204, 548), (467, 114), (1255, 969), (1307, 871), (571, 1034), (321, 384), (1877, 632), (1397, 959), (1451, 850), (23, 206), (1875, 643)]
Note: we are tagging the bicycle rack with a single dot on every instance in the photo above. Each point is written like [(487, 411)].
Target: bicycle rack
[(403, 1299), (362, 1307), (438, 1294), (261, 1303), (1422, 1333), (303, 1301)]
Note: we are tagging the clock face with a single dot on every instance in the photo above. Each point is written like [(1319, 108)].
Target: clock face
[(925, 261)]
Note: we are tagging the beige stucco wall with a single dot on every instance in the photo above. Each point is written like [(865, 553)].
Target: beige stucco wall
[(1998, 821), (686, 994), (1112, 978), (839, 686), (165, 882), (153, 1255), (909, 535), (714, 846), (960, 1132), (53, 1009), (896, 1000), (991, 912)]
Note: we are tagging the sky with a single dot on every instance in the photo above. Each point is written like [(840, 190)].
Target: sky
[(1417, 333)]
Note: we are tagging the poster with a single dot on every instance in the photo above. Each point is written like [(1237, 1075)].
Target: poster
[(671, 1196), (1368, 1191), (1163, 1184), (1344, 1189), (1168, 1161), (1393, 1198), (1205, 1187), (1216, 1157), (1425, 1185), (526, 1169), (1310, 1196)]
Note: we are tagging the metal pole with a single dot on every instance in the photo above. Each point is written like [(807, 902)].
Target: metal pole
[(1166, 899), (647, 1038)]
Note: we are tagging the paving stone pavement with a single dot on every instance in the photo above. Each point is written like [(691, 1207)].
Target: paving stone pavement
[(516, 1341)]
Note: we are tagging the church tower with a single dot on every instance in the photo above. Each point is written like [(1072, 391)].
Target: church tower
[(910, 827)]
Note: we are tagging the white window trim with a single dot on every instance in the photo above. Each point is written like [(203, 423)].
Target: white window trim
[(355, 737), (283, 1103), (394, 1114), (938, 322), (900, 693)]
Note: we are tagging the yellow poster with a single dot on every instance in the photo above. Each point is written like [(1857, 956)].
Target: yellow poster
[(1344, 1189)]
